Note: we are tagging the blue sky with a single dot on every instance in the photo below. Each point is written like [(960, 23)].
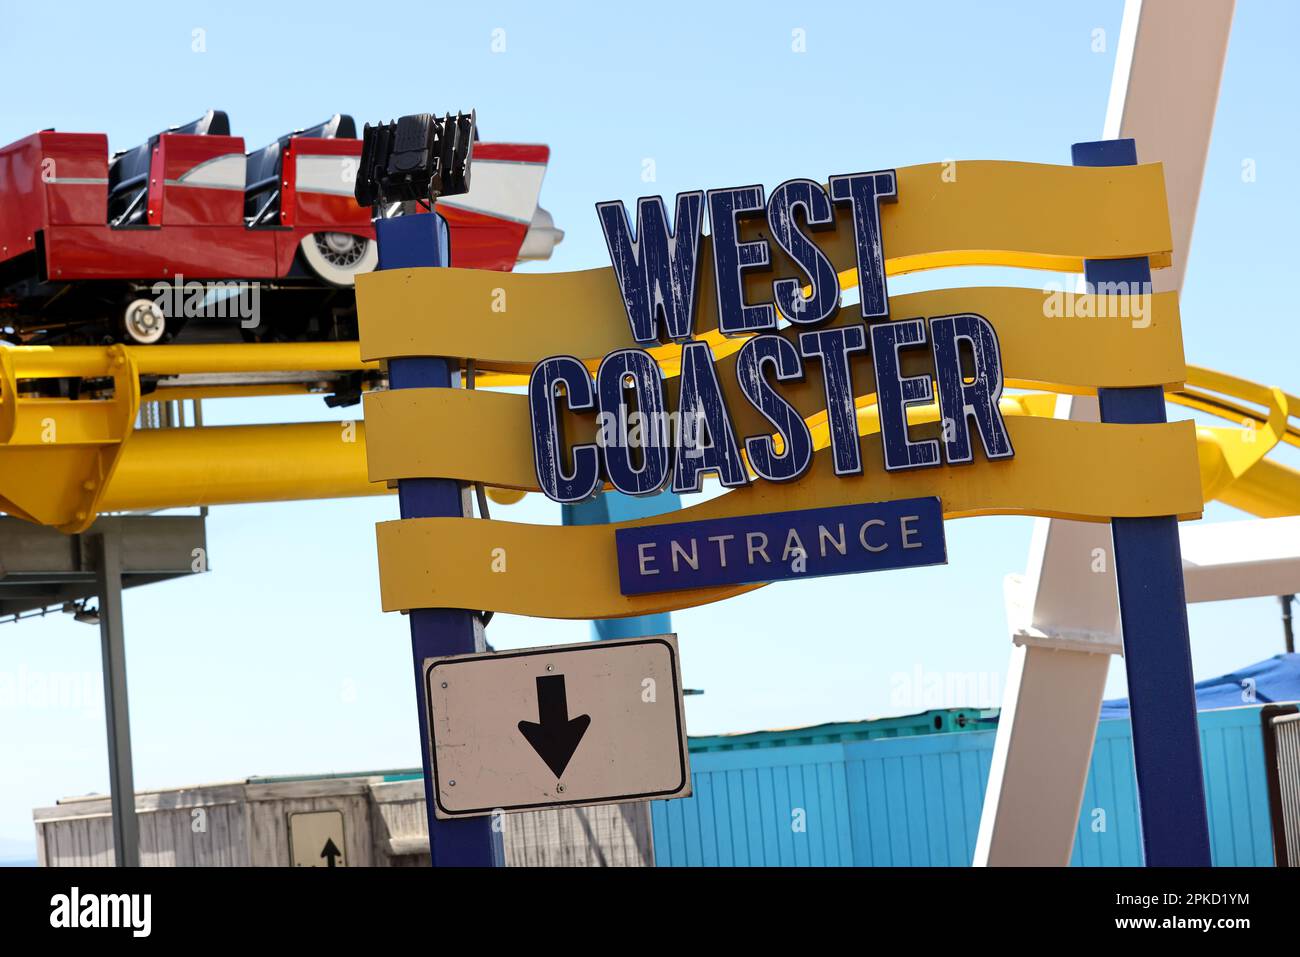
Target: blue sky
[(279, 661)]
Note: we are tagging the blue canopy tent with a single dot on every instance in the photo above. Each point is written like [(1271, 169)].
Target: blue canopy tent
[(1273, 679)]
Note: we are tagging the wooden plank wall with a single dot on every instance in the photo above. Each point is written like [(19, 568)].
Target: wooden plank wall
[(610, 835), (172, 834), (384, 825), (400, 831), (615, 835), (269, 806)]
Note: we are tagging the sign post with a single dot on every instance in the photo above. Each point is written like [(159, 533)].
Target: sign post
[(406, 165), (617, 507), (1153, 611), (404, 242)]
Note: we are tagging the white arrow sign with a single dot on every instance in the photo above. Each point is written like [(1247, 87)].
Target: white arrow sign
[(569, 725)]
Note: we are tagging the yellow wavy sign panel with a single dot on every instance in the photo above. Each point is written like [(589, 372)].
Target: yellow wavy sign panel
[(991, 213), (968, 213), (1062, 469), (487, 437)]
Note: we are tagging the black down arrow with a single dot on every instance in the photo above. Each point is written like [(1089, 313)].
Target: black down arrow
[(554, 737)]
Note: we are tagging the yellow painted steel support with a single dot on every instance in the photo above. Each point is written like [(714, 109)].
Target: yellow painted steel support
[(59, 456), (232, 464), (64, 461), (49, 362)]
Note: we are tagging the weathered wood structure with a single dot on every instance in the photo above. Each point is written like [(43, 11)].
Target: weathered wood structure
[(247, 823)]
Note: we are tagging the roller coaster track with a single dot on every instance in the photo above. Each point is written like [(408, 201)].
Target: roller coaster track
[(63, 460)]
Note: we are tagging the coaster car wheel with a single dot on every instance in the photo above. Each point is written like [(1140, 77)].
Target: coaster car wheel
[(143, 322), (338, 258)]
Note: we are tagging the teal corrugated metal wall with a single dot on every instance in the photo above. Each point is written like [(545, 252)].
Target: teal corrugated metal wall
[(917, 800), (1236, 787), (762, 807), (1236, 794), (892, 801), (1109, 803)]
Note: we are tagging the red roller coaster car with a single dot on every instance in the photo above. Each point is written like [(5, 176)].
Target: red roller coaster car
[(90, 246)]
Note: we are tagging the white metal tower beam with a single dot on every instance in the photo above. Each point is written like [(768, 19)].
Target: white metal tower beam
[(1064, 612)]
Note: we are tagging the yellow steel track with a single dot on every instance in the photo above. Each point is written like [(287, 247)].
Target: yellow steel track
[(64, 461)]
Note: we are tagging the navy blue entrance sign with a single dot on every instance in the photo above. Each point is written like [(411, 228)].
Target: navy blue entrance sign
[(809, 543)]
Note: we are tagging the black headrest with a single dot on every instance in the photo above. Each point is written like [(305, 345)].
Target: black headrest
[(339, 126), (211, 123), (128, 170)]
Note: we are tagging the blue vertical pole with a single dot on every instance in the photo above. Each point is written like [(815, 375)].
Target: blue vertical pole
[(1153, 614), (404, 242), (610, 507), (604, 509)]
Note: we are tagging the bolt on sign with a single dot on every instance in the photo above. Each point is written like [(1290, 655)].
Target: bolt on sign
[(593, 723), (844, 436)]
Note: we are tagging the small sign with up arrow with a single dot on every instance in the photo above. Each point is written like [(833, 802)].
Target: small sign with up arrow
[(316, 839), (569, 725)]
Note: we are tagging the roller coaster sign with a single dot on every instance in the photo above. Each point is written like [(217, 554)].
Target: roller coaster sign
[(844, 438), (642, 447), (730, 354)]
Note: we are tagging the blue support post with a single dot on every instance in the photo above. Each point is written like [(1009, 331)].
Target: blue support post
[(604, 509), (404, 242), (1153, 614)]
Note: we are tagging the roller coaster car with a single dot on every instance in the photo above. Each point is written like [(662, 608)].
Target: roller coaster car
[(152, 244)]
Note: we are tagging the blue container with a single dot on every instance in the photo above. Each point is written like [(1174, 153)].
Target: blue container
[(876, 802), (916, 799), (1236, 794)]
